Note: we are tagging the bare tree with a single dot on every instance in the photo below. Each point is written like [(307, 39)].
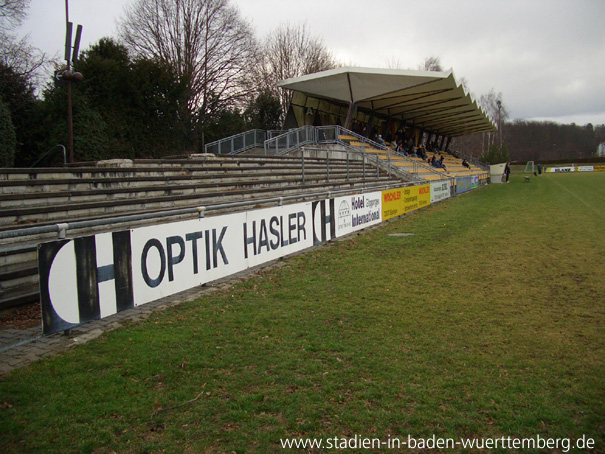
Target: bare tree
[(493, 106), (206, 41), (431, 64), (12, 13), (16, 54), (290, 51)]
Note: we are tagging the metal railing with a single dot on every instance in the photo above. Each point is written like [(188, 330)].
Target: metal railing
[(482, 165), (280, 143), (334, 134), (417, 166), (48, 152), (474, 161), (238, 143), (290, 140), (62, 228), (297, 138)]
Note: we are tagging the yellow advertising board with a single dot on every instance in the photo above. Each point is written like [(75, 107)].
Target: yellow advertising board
[(599, 168), (396, 202)]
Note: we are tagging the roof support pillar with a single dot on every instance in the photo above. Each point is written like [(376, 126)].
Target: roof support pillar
[(370, 125), (350, 114), (447, 145), (442, 142)]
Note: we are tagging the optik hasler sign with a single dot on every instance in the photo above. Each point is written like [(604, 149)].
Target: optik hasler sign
[(88, 278)]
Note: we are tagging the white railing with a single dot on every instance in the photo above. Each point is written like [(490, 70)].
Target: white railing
[(290, 140), (333, 134), (238, 143)]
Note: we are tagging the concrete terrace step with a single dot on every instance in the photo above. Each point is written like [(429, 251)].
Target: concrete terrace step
[(20, 274), (16, 184), (151, 200), (88, 192), (73, 190)]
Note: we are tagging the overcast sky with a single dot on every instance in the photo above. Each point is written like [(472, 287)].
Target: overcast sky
[(546, 57)]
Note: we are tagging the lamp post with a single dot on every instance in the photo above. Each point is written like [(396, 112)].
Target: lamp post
[(499, 104), (68, 76)]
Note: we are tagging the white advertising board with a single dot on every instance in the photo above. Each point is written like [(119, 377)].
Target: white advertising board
[(356, 212), (561, 169), (92, 277), (440, 190)]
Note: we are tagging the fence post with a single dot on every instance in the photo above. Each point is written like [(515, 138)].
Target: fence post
[(328, 165), (377, 167), (303, 165), (364, 167), (348, 165)]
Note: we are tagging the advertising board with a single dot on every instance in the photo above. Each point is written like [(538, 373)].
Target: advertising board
[(440, 190), (396, 202), (92, 277), (561, 169), (464, 184)]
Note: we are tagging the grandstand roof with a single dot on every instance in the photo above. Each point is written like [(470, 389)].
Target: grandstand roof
[(430, 100)]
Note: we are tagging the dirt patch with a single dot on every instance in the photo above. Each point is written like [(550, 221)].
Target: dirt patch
[(22, 317)]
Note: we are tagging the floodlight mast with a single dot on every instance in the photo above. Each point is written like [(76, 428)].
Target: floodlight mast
[(69, 76), (499, 104)]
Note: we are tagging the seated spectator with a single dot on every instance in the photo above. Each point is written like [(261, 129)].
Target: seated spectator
[(399, 148), (466, 164), (441, 164), (380, 140)]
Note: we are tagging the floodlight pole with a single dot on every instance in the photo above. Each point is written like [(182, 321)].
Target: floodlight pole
[(70, 127), (499, 104), (68, 77)]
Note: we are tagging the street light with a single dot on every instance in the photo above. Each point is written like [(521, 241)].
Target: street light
[(499, 104), (68, 76)]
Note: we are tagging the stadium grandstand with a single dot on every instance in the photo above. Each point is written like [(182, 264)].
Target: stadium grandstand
[(347, 131)]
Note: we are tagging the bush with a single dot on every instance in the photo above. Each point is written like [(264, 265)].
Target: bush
[(495, 154)]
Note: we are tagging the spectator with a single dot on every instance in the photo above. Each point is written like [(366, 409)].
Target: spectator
[(400, 136), (466, 164), (441, 164), (399, 148), (507, 172)]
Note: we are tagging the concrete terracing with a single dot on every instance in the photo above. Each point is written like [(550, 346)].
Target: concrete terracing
[(102, 191)]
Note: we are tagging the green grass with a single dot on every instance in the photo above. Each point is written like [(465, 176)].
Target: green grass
[(488, 322)]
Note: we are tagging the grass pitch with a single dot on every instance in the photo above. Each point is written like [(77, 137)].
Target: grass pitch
[(487, 322)]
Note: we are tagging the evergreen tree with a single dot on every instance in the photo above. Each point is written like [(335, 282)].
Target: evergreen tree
[(8, 137), (264, 112), (495, 154)]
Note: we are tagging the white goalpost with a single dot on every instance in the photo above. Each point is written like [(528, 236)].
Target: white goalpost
[(529, 167)]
